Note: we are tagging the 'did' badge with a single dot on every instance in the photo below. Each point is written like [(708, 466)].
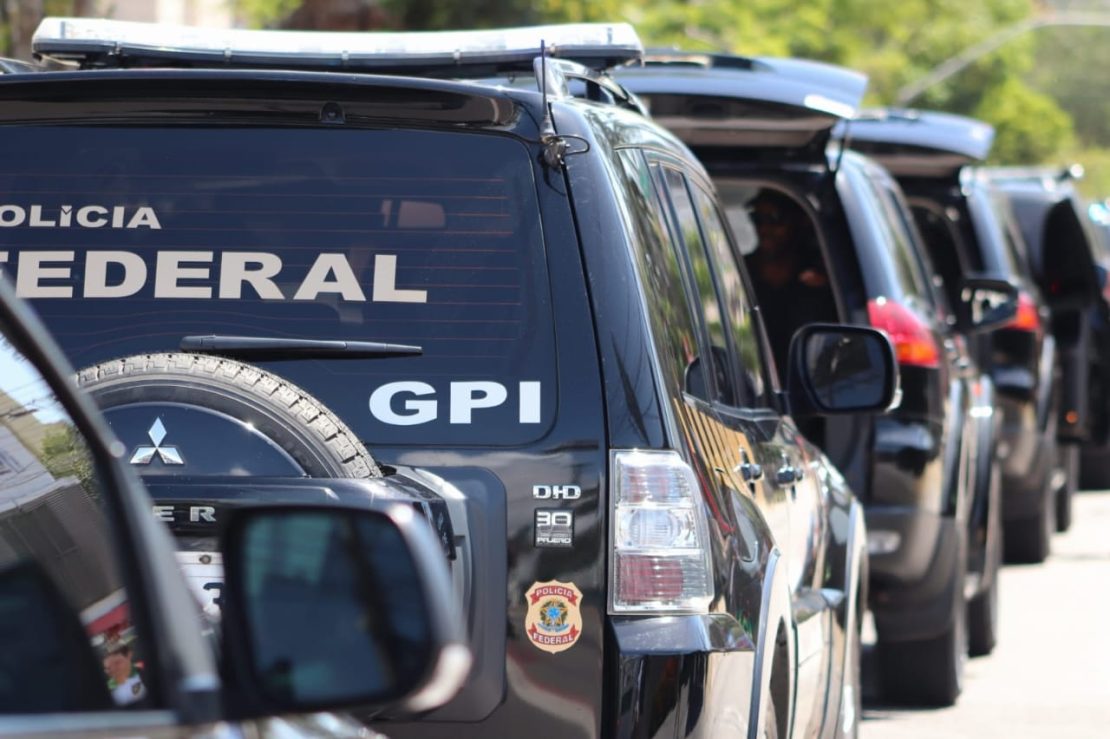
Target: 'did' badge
[(554, 620)]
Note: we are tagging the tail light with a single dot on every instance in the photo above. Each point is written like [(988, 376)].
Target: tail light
[(1027, 318), (661, 558), (914, 343)]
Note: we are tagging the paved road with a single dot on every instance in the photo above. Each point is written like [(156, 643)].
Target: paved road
[(1049, 676)]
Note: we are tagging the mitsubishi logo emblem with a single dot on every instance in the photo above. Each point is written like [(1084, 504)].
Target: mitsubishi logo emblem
[(169, 454)]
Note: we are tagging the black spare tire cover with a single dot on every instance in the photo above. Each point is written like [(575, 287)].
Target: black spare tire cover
[(231, 407)]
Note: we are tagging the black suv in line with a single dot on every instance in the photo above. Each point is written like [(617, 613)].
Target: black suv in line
[(968, 229), (100, 635), (1065, 255), (827, 233), (303, 274)]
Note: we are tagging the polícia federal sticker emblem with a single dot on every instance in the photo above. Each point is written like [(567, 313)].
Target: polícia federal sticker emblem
[(554, 620)]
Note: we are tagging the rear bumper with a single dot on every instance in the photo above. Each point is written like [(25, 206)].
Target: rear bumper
[(680, 676), (913, 587)]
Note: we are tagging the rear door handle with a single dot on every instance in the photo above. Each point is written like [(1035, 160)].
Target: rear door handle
[(788, 475), (750, 471)]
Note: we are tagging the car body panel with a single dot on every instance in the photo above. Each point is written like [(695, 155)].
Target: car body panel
[(769, 102), (916, 143)]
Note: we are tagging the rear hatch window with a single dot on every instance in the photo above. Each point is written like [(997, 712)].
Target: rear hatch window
[(129, 239)]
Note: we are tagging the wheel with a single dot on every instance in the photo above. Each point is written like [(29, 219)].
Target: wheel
[(928, 672), (1029, 540), (320, 443), (982, 610), (1094, 468), (1069, 463)]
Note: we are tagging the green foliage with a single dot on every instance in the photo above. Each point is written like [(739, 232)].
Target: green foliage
[(1030, 126), (1023, 87), (65, 454), (266, 13)]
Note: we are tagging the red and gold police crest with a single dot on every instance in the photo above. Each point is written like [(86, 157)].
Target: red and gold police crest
[(554, 620)]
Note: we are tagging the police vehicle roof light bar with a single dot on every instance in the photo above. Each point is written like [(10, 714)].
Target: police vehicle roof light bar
[(109, 43)]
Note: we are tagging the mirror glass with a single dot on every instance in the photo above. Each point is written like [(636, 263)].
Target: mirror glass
[(334, 606), (847, 370)]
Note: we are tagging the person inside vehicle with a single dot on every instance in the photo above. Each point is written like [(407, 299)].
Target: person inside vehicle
[(791, 283), (124, 678)]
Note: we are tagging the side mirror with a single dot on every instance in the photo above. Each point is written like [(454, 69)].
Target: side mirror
[(986, 303), (1065, 269), (836, 369), (332, 607)]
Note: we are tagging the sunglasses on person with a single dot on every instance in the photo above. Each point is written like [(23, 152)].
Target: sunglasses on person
[(767, 218)]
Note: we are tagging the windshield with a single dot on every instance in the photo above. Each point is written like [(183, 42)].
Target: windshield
[(129, 239)]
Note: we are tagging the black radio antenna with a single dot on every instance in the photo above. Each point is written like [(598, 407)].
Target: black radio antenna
[(554, 147)]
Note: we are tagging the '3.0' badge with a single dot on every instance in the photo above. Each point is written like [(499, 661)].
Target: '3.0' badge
[(554, 620)]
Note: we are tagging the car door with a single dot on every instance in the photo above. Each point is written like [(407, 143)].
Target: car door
[(787, 473), (746, 417), (740, 451), (77, 656)]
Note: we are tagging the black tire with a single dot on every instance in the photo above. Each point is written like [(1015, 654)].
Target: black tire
[(982, 610), (1029, 540), (294, 420), (982, 614), (1094, 468), (1069, 463), (928, 672)]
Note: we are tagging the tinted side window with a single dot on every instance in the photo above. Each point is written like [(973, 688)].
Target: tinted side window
[(743, 329), (67, 642), (942, 241), (904, 243), (686, 224), (888, 270), (669, 313)]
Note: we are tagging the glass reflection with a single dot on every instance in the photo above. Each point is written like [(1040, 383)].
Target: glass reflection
[(67, 642)]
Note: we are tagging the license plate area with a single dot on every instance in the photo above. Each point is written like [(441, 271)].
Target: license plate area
[(204, 572)]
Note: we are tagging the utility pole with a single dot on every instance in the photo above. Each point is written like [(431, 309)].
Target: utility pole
[(967, 57), (23, 18)]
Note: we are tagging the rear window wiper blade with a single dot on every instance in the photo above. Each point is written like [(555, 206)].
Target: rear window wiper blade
[(273, 347)]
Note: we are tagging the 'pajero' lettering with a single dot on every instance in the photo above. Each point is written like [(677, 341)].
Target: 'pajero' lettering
[(200, 275), (85, 216)]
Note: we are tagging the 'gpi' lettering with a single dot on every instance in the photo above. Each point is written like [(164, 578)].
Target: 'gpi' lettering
[(410, 403)]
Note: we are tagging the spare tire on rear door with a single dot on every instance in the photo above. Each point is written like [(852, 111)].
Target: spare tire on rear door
[(285, 415)]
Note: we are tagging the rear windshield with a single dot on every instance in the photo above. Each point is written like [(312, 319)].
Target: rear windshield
[(129, 239)]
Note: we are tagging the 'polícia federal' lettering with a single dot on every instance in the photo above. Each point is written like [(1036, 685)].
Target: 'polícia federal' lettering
[(84, 216), (200, 275)]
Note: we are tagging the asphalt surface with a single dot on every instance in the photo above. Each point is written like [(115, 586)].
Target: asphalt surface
[(1049, 676)]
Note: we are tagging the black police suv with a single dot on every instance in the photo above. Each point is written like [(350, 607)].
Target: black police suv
[(827, 234), (101, 635), (969, 230), (1065, 256), (291, 269)]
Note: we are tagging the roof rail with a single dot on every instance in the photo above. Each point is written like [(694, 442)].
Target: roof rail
[(16, 66), (599, 87), (99, 43), (1071, 172)]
